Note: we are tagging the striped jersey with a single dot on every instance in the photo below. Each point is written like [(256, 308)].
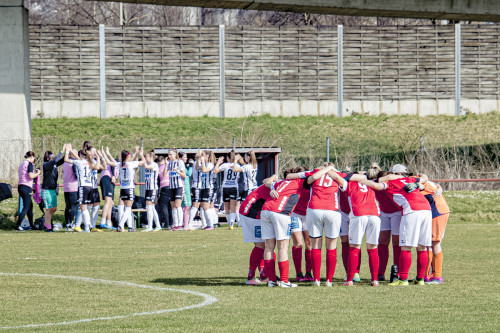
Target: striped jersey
[(203, 180), (83, 173), (151, 177), (230, 178), (176, 181), (94, 175), (127, 174), (249, 177), (195, 177)]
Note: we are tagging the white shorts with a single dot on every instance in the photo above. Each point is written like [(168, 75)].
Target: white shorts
[(275, 226), (390, 222), (416, 228), (319, 219), (252, 232), (299, 222), (360, 226), (344, 224)]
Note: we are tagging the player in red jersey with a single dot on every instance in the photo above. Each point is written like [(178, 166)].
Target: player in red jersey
[(364, 220), (416, 224), (251, 226), (276, 227), (345, 210)]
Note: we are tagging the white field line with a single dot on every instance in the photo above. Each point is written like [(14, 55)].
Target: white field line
[(208, 299)]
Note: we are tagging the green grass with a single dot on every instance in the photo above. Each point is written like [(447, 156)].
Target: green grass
[(302, 137), (216, 262)]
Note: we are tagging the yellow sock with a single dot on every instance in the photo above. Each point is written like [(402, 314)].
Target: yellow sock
[(438, 266)]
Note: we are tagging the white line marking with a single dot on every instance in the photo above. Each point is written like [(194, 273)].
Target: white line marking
[(208, 299)]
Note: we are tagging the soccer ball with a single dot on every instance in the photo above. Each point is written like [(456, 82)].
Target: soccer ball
[(57, 227)]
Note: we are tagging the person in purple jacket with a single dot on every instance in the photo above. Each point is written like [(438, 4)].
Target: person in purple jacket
[(25, 187)]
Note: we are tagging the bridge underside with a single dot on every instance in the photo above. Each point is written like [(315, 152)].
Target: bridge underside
[(477, 10)]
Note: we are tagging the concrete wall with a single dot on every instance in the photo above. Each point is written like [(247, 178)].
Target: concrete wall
[(15, 124), (78, 109)]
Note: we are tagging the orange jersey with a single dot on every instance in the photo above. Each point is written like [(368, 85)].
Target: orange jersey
[(439, 206)]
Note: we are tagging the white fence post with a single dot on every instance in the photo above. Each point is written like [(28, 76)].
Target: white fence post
[(340, 69), (102, 70), (222, 74)]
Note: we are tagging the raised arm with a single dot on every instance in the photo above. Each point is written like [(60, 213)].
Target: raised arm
[(70, 152), (236, 166), (109, 158), (217, 166), (142, 160), (318, 174)]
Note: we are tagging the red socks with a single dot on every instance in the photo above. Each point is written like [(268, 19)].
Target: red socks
[(396, 252), (352, 263), (404, 264), (308, 255), (297, 259), (422, 260), (383, 256), (256, 256), (316, 263), (345, 255), (284, 268), (359, 263), (270, 269), (331, 262), (373, 260)]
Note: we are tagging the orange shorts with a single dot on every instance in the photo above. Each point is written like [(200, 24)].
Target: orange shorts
[(438, 226)]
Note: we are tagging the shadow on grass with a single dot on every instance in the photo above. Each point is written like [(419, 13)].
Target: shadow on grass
[(202, 281)]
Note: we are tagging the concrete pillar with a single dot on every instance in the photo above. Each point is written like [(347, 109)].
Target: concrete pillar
[(15, 113)]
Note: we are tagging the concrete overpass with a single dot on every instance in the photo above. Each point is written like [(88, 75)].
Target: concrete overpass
[(475, 10)]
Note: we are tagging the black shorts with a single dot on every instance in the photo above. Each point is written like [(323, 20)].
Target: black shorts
[(176, 193), (107, 187), (151, 195), (206, 195), (96, 198), (229, 193), (127, 194), (85, 194), (242, 195), (196, 194)]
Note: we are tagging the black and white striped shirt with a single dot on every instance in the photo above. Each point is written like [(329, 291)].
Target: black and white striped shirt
[(176, 181), (249, 175), (206, 177), (151, 176)]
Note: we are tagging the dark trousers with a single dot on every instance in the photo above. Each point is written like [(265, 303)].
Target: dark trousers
[(71, 200), (25, 193), (164, 208)]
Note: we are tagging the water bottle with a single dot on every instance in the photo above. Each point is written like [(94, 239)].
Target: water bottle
[(394, 273)]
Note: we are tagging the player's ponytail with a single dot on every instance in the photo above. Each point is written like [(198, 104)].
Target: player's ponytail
[(253, 158), (124, 155), (212, 158)]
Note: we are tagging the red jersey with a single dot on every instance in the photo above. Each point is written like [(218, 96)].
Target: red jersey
[(344, 202), (407, 202), (385, 202), (252, 205), (324, 193), (289, 191), (361, 199), (301, 207)]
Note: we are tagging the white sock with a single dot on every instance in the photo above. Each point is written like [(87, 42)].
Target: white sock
[(174, 217), (204, 218), (109, 223), (124, 216), (207, 218), (231, 218), (120, 212), (79, 217), (215, 216), (192, 214), (86, 219), (130, 220), (156, 218), (180, 216), (149, 210), (103, 221), (95, 215)]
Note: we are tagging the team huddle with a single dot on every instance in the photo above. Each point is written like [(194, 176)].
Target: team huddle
[(306, 205)]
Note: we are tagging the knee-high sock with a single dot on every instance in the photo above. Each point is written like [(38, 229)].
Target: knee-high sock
[(404, 264), (396, 252), (383, 258), (192, 214), (231, 219), (78, 218), (270, 269), (297, 259), (307, 255), (256, 257), (95, 215), (130, 220), (331, 263), (204, 217), (284, 267), (373, 261), (352, 262), (175, 216), (422, 259), (209, 217), (156, 218), (359, 262), (124, 216), (86, 219), (345, 255), (316, 263), (121, 208), (150, 214), (180, 216), (215, 217), (438, 264)]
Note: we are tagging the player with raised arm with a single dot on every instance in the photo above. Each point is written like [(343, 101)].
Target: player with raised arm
[(196, 191), (107, 183), (151, 173), (95, 198), (230, 170), (177, 170), (205, 166), (50, 188)]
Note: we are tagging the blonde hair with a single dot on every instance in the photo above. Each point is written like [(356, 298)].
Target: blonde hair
[(373, 172), (253, 159), (240, 160), (327, 164)]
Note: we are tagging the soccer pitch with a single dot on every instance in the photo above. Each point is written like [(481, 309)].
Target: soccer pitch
[(212, 266)]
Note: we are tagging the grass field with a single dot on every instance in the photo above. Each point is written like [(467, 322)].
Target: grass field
[(215, 263)]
